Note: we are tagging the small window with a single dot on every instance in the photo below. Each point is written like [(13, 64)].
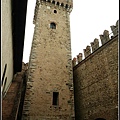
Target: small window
[(55, 98), (52, 25), (55, 11)]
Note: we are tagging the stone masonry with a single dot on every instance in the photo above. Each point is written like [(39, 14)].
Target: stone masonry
[(96, 80), (49, 92)]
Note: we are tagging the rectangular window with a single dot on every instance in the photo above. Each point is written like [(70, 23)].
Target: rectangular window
[(55, 98)]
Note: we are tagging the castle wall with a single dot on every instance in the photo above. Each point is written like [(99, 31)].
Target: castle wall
[(7, 52), (50, 66), (96, 83)]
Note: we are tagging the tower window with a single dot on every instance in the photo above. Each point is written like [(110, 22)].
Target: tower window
[(55, 98), (52, 25), (55, 11)]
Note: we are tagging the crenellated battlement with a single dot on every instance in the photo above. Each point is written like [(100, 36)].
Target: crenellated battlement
[(79, 57), (105, 37), (66, 4), (115, 28), (74, 61), (95, 44), (87, 51)]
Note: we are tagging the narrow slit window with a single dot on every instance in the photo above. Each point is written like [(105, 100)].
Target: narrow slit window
[(55, 98), (52, 25), (4, 73), (3, 91)]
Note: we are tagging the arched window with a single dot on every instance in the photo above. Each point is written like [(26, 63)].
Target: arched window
[(52, 25)]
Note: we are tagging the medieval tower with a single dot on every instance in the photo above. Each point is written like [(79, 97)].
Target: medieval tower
[(49, 91)]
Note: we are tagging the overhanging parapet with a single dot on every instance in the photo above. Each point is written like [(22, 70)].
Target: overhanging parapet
[(66, 4)]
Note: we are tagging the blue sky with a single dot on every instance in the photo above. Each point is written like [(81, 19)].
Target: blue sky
[(88, 19)]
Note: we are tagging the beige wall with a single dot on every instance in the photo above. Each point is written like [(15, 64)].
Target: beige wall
[(50, 67), (96, 84), (7, 52)]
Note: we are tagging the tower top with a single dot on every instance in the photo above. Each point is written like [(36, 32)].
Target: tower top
[(67, 4)]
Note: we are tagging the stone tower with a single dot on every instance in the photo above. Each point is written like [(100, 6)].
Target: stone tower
[(49, 92)]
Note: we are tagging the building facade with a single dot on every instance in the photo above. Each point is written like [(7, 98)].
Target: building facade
[(49, 92), (7, 47), (12, 39)]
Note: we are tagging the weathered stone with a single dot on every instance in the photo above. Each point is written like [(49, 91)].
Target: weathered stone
[(105, 37), (94, 84), (95, 44), (87, 51), (79, 57), (115, 28), (74, 61), (50, 64)]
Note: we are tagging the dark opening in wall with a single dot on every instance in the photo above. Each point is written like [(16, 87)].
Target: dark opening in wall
[(3, 91), (55, 98), (57, 3), (55, 11), (53, 2), (52, 25), (66, 6), (100, 119), (3, 76), (62, 4)]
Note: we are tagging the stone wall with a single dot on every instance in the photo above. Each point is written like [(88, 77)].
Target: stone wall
[(7, 46), (96, 80), (50, 66), (12, 103)]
